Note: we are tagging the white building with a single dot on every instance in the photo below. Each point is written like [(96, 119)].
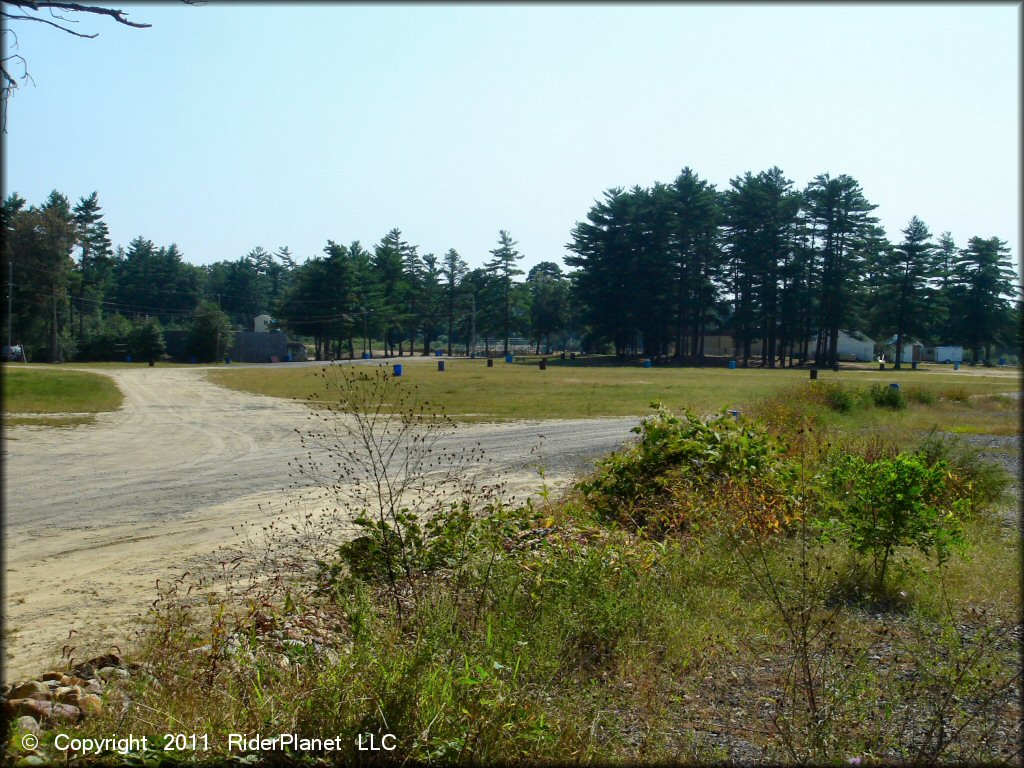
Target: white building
[(855, 347)]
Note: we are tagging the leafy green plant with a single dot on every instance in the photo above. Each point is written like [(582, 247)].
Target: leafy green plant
[(883, 505), (970, 476), (682, 445), (834, 395), (885, 396)]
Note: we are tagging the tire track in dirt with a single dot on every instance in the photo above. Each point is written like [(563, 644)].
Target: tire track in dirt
[(96, 514)]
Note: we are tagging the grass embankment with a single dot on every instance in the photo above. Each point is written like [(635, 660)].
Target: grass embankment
[(45, 396), (725, 591), (469, 391)]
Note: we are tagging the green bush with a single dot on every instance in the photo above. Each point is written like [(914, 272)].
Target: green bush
[(971, 476), (683, 446), (883, 505), (837, 397), (884, 396), (146, 340)]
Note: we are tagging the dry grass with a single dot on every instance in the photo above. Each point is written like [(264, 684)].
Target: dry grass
[(469, 391)]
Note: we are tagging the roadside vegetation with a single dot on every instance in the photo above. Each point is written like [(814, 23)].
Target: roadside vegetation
[(47, 397), (771, 588)]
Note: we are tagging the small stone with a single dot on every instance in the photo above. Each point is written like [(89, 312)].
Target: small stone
[(88, 668), (67, 693), (93, 686), (46, 710), (28, 724), (52, 684), (52, 675), (32, 686), (41, 696), (32, 760), (90, 704), (113, 673), (283, 662)]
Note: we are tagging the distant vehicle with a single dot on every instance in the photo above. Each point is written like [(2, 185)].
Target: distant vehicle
[(11, 353), (949, 354)]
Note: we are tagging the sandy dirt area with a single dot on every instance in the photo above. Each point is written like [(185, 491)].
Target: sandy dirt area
[(95, 514)]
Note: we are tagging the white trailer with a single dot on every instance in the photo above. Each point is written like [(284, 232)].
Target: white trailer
[(949, 354)]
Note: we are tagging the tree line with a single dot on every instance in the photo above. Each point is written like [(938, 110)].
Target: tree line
[(658, 268), (75, 296), (655, 271)]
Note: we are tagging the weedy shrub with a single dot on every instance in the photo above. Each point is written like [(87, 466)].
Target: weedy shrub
[(920, 395), (381, 449), (954, 394), (881, 506), (787, 412), (970, 476), (834, 395), (885, 396), (671, 448)]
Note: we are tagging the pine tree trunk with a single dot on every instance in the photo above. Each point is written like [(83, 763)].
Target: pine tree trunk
[(54, 350)]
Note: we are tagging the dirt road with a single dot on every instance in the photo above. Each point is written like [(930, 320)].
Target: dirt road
[(95, 514)]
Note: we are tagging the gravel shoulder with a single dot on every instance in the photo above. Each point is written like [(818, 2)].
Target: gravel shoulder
[(95, 515)]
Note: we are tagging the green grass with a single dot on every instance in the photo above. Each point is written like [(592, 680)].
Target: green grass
[(48, 390), (469, 391)]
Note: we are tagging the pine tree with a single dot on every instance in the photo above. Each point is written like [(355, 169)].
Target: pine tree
[(840, 216), (454, 270), (982, 286), (902, 273), (94, 265), (503, 267)]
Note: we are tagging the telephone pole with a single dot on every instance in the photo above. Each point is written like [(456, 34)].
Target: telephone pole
[(10, 302)]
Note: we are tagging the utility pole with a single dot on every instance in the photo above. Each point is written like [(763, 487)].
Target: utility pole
[(10, 302)]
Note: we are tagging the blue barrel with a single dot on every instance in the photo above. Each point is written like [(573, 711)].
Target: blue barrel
[(895, 386), (735, 415), (645, 364), (439, 352), (128, 359), (366, 355), (227, 359), (192, 359), (956, 366), (508, 358), (732, 365), (440, 365), (398, 369), (1002, 361)]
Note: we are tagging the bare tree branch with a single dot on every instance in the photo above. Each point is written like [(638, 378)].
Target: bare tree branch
[(117, 15), (51, 23)]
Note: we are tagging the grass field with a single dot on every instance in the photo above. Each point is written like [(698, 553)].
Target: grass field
[(469, 391), (46, 396)]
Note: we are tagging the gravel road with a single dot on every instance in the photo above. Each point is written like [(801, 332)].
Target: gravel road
[(95, 514)]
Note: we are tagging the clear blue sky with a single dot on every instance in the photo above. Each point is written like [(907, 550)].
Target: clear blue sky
[(224, 127)]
